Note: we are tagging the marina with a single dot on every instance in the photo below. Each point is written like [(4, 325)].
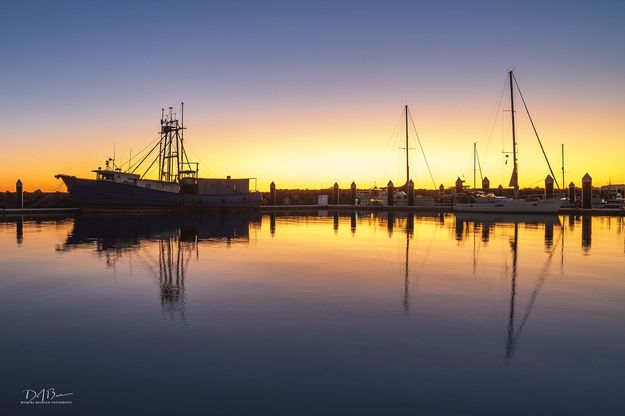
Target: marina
[(312, 208)]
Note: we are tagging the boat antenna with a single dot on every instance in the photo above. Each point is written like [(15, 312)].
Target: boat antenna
[(514, 181)]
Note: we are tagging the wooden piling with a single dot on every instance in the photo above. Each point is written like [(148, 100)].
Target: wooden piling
[(410, 191), (353, 193), (586, 192), (272, 194), (549, 187), (572, 193), (19, 190), (441, 189), (335, 192), (485, 184), (390, 189), (459, 185), (500, 190)]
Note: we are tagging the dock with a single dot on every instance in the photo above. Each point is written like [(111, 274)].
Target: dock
[(5, 212), (427, 209), (305, 208), (345, 207)]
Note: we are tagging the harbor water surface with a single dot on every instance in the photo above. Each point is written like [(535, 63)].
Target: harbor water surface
[(361, 314)]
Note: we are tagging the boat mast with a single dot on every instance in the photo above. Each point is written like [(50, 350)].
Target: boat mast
[(180, 143), (563, 168), (407, 167), (474, 161), (515, 174)]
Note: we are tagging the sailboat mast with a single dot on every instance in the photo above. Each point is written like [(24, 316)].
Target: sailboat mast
[(474, 161), (407, 167), (563, 183), (515, 172)]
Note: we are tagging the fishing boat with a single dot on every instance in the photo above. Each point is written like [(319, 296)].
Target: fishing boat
[(490, 203), (177, 184)]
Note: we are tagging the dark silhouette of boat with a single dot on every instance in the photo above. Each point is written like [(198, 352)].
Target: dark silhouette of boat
[(178, 184)]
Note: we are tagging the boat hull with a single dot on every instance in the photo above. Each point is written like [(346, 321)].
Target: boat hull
[(512, 206), (99, 193)]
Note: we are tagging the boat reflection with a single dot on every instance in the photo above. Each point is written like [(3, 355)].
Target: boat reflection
[(177, 240)]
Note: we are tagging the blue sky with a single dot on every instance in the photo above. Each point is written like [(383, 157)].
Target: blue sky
[(87, 64)]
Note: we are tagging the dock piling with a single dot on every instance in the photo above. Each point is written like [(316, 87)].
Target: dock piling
[(548, 187), (353, 193), (390, 189), (485, 184), (572, 194), (410, 192), (19, 190), (336, 193), (459, 185), (586, 192), (272, 194)]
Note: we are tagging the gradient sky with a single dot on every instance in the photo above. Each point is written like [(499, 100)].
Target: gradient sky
[(309, 93)]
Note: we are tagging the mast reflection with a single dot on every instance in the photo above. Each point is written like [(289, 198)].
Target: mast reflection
[(176, 239), (487, 221)]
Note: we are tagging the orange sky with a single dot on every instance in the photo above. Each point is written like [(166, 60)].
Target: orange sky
[(312, 145), (306, 95)]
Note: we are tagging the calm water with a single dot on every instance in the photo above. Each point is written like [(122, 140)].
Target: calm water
[(314, 315)]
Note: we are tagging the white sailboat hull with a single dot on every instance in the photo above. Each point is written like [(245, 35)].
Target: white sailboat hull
[(509, 205)]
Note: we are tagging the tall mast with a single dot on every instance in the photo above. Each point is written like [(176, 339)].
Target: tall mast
[(180, 154), (407, 167), (515, 173), (563, 183), (474, 161)]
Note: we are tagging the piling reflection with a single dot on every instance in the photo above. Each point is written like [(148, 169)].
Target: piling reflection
[(586, 232), (19, 230)]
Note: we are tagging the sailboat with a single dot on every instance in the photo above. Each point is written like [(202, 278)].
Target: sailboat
[(490, 203), (404, 195)]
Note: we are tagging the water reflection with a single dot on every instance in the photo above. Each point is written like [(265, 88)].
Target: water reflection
[(586, 232), (19, 230), (177, 239), (354, 301), (177, 242), (486, 222)]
